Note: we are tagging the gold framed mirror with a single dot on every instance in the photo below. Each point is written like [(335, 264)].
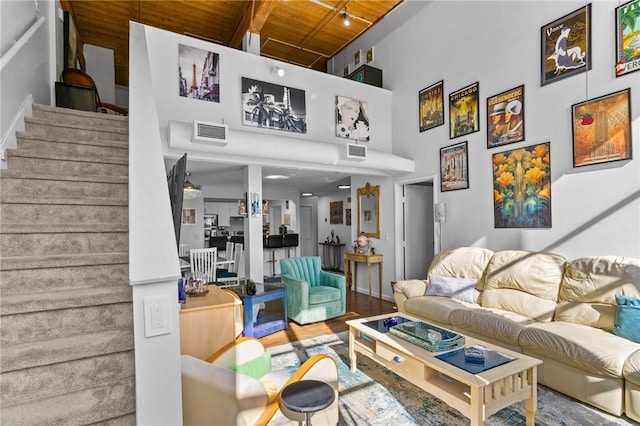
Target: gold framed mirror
[(369, 211)]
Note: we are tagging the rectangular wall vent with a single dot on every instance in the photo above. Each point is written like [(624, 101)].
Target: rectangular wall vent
[(355, 152), (210, 132)]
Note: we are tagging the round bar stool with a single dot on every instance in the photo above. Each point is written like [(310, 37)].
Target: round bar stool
[(305, 397)]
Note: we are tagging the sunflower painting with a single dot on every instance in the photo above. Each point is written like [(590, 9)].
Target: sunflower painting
[(522, 187)]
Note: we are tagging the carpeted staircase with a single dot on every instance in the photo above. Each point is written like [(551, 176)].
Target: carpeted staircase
[(66, 315)]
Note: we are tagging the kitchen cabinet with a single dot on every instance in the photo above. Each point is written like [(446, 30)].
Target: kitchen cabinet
[(224, 214), (210, 208)]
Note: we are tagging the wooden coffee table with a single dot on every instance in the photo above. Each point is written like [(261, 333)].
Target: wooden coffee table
[(477, 396)]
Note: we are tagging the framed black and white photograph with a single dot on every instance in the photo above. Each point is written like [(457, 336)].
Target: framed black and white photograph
[(199, 73), (454, 167), (463, 111), (431, 106), (273, 106), (352, 119), (566, 46)]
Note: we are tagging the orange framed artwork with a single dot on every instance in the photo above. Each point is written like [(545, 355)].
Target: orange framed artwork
[(602, 129)]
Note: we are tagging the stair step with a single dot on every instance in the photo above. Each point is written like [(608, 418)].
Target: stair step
[(74, 116), (59, 229), (65, 299), (62, 261), (59, 188), (63, 214), (91, 405), (43, 127), (21, 386), (36, 244), (36, 282), (72, 147), (39, 162), (53, 351), (21, 174), (37, 326), (46, 200)]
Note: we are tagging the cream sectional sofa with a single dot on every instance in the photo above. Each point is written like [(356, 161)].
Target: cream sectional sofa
[(543, 305)]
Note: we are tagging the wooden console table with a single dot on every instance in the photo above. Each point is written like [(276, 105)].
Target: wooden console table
[(363, 258)]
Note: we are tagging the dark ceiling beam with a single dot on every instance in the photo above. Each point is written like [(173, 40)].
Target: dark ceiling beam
[(253, 19)]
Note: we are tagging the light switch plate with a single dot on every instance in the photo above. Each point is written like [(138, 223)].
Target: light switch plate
[(157, 315)]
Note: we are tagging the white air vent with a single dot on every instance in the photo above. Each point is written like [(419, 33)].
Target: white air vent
[(355, 152), (211, 133)]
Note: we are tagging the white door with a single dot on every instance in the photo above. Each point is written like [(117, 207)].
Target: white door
[(307, 244), (418, 229)]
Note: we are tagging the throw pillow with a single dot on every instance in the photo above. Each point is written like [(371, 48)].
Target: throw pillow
[(455, 288), (627, 319), (257, 367)]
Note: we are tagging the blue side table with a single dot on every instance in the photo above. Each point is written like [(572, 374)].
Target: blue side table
[(266, 323)]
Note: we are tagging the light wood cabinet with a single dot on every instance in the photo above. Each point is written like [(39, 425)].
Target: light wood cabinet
[(207, 323)]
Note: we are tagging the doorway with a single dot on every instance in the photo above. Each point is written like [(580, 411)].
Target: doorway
[(418, 242), (307, 243)]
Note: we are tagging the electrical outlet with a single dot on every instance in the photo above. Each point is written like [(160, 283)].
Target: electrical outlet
[(157, 315)]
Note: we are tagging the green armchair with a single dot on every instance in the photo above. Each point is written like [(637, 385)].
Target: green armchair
[(312, 294)]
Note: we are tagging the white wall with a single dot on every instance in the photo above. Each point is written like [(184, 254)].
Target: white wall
[(234, 64), (101, 68), (28, 76), (595, 209)]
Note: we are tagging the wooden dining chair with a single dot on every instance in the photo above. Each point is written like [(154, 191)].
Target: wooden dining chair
[(203, 264)]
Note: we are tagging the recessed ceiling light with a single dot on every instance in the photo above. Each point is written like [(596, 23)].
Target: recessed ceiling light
[(307, 194), (344, 186), (276, 177)]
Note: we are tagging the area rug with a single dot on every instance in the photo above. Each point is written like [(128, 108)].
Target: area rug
[(373, 395)]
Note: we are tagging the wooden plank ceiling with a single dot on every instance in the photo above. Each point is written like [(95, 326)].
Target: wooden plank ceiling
[(302, 32)]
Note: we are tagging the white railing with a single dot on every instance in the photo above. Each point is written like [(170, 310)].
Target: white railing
[(24, 39)]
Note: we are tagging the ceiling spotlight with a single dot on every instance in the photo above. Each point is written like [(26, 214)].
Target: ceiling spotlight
[(345, 18), (344, 186), (277, 71)]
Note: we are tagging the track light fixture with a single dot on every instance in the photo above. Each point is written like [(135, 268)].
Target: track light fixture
[(345, 18), (277, 71)]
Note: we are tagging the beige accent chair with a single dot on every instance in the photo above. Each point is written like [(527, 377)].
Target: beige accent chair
[(214, 393)]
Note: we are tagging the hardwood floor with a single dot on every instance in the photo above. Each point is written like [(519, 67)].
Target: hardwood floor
[(358, 305)]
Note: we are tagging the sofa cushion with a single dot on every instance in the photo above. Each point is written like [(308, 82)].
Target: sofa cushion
[(504, 326), (455, 288), (588, 289), (591, 349), (523, 282), (631, 370), (627, 319), (461, 262), (435, 308), (323, 294)]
